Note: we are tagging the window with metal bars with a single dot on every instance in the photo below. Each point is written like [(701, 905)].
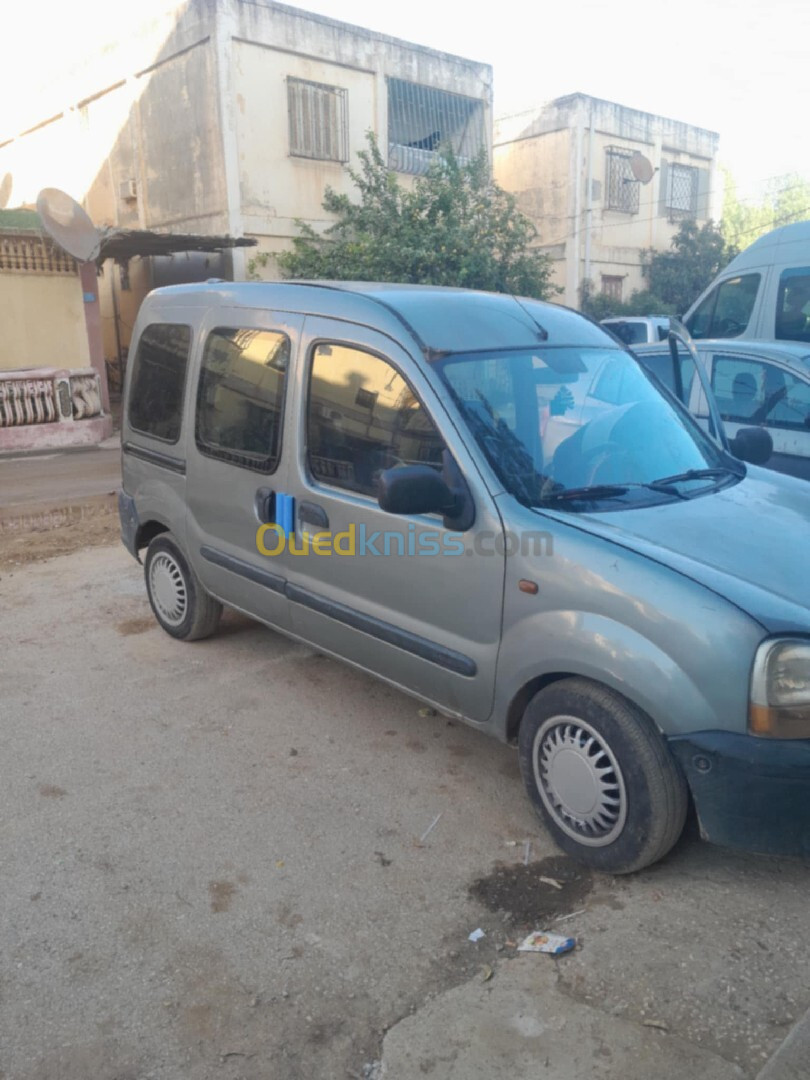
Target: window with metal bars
[(620, 184), (682, 190), (318, 120), (421, 119)]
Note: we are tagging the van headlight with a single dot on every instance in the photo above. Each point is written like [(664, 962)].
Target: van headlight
[(780, 690)]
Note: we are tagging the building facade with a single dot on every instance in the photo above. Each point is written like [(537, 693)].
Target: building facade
[(232, 117), (602, 183), (53, 390)]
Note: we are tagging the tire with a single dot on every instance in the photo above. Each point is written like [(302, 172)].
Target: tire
[(179, 602), (600, 777)]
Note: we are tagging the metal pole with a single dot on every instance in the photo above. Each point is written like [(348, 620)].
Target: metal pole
[(574, 271), (115, 270), (589, 200)]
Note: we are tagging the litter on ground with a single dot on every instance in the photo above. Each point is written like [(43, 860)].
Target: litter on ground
[(542, 941)]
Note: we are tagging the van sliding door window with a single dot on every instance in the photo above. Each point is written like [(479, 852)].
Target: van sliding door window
[(158, 381), (362, 418), (240, 400)]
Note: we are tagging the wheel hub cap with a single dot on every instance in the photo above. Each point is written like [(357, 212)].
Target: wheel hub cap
[(579, 781), (168, 588)]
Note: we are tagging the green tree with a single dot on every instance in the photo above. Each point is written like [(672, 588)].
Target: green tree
[(640, 302), (677, 277), (453, 226), (786, 200)]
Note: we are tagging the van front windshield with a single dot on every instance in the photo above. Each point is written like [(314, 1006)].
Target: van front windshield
[(562, 425)]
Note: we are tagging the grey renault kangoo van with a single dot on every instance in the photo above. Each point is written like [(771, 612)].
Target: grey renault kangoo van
[(487, 502)]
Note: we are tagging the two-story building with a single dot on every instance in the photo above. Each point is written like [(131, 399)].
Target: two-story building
[(231, 117), (603, 183)]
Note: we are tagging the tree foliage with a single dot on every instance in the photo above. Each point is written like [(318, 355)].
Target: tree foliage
[(674, 278), (786, 200), (698, 253), (641, 302), (453, 226)]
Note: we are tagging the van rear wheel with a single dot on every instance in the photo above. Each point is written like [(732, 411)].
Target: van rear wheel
[(179, 603), (600, 777)]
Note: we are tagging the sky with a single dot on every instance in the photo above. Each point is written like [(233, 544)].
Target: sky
[(738, 68), (734, 66)]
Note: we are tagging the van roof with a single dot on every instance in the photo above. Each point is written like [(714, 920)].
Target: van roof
[(440, 320), (788, 245)]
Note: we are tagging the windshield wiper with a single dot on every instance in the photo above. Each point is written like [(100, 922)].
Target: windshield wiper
[(592, 491), (611, 491), (690, 474)]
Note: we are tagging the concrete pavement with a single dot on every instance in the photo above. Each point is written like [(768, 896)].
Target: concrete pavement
[(59, 477), (520, 1024), (212, 866)]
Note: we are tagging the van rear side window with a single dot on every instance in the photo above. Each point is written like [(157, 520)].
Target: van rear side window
[(241, 397), (158, 381)]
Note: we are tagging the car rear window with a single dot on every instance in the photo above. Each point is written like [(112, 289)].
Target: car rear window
[(631, 333), (158, 381)]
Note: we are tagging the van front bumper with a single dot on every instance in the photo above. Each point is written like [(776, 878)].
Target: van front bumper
[(128, 516), (750, 793)]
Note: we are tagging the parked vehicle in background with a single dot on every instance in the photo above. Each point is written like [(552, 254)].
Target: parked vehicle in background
[(763, 294), (638, 329), (755, 384), (486, 502)]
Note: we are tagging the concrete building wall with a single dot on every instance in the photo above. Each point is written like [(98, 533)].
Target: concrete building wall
[(556, 161), (272, 43), (191, 107), (43, 323), (275, 187)]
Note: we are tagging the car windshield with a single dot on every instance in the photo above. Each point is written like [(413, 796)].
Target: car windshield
[(559, 425)]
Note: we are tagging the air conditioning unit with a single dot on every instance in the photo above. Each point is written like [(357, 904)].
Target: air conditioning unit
[(127, 190)]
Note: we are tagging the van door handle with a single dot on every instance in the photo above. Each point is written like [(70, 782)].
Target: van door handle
[(265, 504), (311, 514)]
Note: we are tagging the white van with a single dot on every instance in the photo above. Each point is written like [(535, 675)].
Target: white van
[(638, 330), (763, 294)]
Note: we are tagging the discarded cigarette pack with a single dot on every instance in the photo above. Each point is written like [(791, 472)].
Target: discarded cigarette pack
[(541, 941)]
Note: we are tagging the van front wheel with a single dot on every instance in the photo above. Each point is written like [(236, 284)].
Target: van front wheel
[(180, 604), (600, 776)]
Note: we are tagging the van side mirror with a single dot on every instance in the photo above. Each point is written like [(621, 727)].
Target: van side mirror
[(415, 489), (752, 444)]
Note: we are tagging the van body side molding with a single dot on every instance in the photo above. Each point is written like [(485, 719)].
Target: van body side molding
[(392, 635), (155, 457), (237, 566)]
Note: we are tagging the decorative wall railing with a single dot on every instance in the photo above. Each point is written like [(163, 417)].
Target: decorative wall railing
[(34, 255), (47, 396)]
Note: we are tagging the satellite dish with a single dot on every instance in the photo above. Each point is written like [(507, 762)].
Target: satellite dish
[(65, 221), (5, 190), (641, 168)]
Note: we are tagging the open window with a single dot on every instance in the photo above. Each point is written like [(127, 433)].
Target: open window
[(421, 119)]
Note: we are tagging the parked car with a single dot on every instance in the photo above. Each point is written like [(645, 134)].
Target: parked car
[(486, 502), (763, 294), (755, 384), (637, 329)]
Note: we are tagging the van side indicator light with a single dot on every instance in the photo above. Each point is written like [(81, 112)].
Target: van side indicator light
[(530, 587)]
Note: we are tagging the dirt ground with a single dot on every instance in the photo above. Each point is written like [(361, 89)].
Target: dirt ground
[(43, 534), (216, 859)]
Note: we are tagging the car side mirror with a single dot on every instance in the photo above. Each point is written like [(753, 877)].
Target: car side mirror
[(752, 444), (415, 489)]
